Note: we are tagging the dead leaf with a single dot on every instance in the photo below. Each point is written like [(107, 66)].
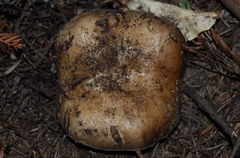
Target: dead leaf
[(189, 22)]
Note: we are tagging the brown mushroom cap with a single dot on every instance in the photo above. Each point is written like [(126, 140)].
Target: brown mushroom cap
[(119, 76)]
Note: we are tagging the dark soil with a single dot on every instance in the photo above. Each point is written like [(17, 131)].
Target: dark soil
[(28, 124)]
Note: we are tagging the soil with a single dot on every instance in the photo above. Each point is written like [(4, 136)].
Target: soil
[(28, 86)]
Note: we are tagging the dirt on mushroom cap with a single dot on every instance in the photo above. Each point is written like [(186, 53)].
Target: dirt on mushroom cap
[(119, 75)]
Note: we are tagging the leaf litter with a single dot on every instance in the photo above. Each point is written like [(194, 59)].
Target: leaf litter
[(28, 125)]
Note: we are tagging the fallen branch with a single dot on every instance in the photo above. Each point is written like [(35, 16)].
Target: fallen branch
[(208, 108)]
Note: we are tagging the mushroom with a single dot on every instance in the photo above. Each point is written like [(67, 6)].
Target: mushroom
[(119, 75)]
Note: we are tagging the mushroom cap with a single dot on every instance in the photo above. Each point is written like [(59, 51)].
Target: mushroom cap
[(119, 75)]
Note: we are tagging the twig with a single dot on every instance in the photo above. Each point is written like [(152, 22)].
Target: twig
[(220, 150), (235, 148), (207, 129), (224, 47), (2, 151), (207, 108), (155, 150), (8, 71), (236, 72)]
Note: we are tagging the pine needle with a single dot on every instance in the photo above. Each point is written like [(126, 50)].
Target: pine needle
[(9, 42)]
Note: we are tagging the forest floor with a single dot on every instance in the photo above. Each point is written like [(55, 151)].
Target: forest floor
[(28, 86)]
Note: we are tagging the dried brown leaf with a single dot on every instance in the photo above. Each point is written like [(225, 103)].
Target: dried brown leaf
[(189, 22)]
